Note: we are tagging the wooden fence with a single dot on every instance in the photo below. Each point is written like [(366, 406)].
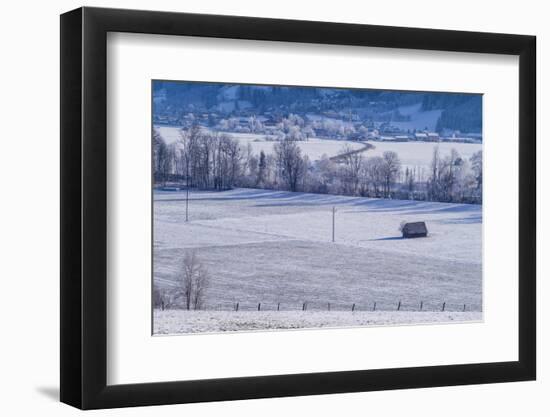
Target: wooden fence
[(429, 306)]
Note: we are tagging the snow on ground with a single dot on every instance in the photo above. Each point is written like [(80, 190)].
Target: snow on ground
[(419, 154), (170, 134), (270, 247), (314, 148), (183, 321)]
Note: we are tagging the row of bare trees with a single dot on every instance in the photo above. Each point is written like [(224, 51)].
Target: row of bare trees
[(373, 176), (356, 175), (210, 160), (201, 159)]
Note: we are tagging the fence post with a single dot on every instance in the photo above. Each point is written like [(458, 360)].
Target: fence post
[(237, 307), (443, 308), (259, 306), (399, 305), (353, 308), (304, 307), (464, 308), (374, 306), (278, 306), (421, 305)]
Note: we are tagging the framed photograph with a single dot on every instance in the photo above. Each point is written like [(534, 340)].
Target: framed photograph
[(257, 208)]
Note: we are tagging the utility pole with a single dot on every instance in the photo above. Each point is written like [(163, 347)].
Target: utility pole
[(333, 221), (187, 192)]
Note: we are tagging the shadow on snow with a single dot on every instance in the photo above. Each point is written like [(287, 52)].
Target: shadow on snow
[(265, 198)]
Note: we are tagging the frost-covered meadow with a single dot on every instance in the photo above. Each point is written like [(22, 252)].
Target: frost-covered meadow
[(275, 248), (419, 154), (298, 200), (183, 321), (314, 148)]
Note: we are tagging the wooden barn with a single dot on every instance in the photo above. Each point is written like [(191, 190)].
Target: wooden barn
[(415, 229)]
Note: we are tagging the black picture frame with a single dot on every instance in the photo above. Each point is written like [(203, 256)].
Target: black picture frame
[(84, 207)]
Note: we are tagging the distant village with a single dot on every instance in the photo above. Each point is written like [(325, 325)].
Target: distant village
[(301, 126)]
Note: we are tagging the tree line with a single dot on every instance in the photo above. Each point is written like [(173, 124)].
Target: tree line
[(211, 160)]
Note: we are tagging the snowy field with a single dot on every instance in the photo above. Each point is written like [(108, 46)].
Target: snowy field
[(314, 148), (182, 321), (419, 154), (274, 248), (170, 134)]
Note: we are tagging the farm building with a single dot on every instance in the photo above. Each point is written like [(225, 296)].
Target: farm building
[(421, 136), (416, 229)]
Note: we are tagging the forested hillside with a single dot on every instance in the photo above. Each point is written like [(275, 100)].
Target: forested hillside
[(458, 111)]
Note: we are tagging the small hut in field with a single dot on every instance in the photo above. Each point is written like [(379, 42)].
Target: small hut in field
[(415, 229)]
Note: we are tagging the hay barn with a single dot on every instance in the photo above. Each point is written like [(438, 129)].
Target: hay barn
[(416, 229)]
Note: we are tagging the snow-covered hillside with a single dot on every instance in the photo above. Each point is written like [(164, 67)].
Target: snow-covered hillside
[(274, 247), (419, 120)]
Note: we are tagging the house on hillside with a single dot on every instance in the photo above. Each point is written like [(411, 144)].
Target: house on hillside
[(415, 229)]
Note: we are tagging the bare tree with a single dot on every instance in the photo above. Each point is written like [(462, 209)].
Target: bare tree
[(290, 163), (193, 281), (353, 163), (409, 180), (451, 165), (435, 173), (201, 284), (373, 175), (476, 160), (391, 168), (189, 154), (159, 298), (227, 166), (163, 158)]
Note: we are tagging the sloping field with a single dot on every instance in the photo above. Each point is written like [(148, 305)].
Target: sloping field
[(275, 248), (419, 119)]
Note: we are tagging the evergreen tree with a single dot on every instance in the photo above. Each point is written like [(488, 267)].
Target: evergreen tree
[(262, 165)]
